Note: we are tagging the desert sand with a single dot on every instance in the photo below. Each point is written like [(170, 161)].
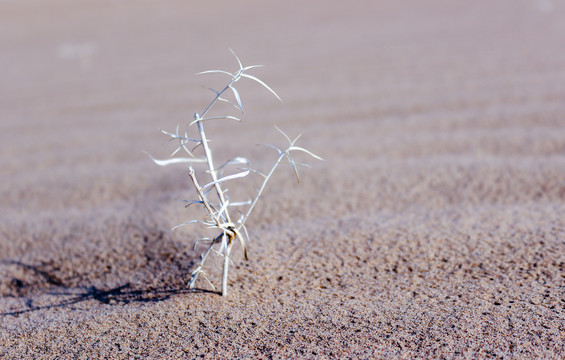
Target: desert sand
[(434, 227)]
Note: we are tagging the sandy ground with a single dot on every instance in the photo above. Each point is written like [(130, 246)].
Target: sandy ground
[(434, 228)]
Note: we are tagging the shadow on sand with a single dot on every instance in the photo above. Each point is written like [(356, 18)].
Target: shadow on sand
[(120, 295)]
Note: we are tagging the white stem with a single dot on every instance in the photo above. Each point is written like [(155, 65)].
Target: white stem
[(208, 151), (263, 185), (227, 249), (211, 169), (203, 197)]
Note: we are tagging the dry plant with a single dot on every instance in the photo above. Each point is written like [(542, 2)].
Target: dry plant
[(213, 196)]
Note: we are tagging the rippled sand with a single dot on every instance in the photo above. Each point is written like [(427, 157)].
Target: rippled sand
[(435, 226)]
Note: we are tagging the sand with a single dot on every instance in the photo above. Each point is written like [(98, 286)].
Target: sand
[(434, 227)]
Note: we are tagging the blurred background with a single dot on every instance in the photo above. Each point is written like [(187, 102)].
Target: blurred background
[(85, 86)]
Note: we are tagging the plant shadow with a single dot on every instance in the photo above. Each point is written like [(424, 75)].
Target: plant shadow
[(73, 295)]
